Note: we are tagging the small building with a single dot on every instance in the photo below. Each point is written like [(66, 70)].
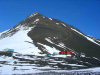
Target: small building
[(8, 50), (47, 55), (66, 53)]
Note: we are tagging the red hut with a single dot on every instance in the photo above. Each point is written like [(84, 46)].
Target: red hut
[(66, 52)]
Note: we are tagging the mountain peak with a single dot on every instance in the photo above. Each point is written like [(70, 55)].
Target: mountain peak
[(32, 19), (35, 14)]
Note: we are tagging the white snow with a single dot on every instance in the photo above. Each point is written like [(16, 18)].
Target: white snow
[(60, 56), (36, 20), (9, 70), (63, 24), (51, 50), (92, 41), (85, 36), (96, 58), (20, 43), (26, 68), (82, 71), (96, 69), (61, 44), (52, 63), (3, 58), (57, 23), (74, 65), (47, 39), (54, 37), (50, 18), (33, 15), (56, 61)]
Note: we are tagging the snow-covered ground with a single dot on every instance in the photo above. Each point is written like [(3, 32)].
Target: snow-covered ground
[(96, 69), (15, 66), (26, 68)]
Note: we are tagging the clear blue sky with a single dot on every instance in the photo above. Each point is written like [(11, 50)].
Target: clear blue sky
[(83, 14)]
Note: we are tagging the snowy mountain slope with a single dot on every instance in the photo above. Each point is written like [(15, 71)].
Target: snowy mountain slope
[(19, 42), (47, 35)]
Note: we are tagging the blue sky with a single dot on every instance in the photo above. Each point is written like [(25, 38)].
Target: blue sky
[(83, 14)]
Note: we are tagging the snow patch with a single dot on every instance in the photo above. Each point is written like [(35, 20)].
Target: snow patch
[(60, 56), (63, 24), (36, 20), (33, 15), (47, 39), (50, 18), (61, 44), (74, 65), (57, 23), (51, 50)]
